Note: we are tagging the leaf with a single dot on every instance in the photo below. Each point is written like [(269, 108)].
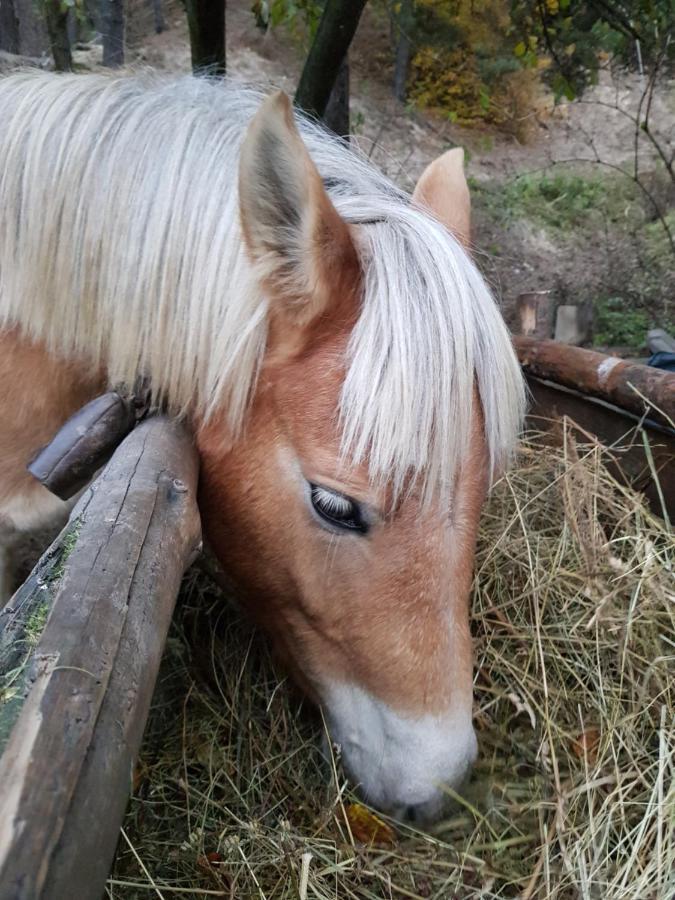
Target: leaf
[(586, 745), (211, 864), (519, 49), (139, 776), (562, 87), (366, 827)]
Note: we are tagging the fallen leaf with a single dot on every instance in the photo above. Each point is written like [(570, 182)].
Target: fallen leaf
[(586, 745), (210, 863), (140, 774), (368, 828)]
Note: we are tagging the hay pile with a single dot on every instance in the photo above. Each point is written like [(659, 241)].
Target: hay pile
[(574, 795)]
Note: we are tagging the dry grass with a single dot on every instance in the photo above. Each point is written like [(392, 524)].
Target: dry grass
[(575, 792)]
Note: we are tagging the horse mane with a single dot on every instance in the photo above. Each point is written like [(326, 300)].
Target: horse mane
[(120, 241)]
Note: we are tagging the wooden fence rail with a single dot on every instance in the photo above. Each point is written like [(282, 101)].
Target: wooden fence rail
[(74, 718), (626, 406)]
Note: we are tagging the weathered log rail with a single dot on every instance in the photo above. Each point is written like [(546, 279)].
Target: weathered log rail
[(108, 586), (635, 388), (627, 406)]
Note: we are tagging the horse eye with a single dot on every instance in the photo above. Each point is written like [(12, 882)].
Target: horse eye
[(337, 510)]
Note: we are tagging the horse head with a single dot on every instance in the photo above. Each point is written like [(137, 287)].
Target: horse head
[(363, 582)]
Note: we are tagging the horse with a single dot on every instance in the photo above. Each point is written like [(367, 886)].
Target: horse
[(349, 379)]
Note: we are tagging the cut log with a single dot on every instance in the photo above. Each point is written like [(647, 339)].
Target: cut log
[(568, 325), (536, 313), (65, 773), (628, 407)]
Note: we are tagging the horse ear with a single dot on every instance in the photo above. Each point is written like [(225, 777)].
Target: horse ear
[(442, 189), (301, 248)]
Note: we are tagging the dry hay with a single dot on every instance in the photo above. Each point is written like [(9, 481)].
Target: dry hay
[(574, 795)]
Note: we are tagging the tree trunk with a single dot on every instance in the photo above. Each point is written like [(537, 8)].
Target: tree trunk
[(403, 25), (158, 13), (112, 16), (57, 29), (336, 116), (336, 29), (92, 10), (9, 27), (206, 21)]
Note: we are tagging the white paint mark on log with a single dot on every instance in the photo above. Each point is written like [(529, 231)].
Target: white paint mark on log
[(605, 368)]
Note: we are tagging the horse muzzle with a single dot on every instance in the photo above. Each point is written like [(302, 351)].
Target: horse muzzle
[(406, 765)]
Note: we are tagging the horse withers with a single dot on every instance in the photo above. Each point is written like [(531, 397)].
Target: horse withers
[(350, 382)]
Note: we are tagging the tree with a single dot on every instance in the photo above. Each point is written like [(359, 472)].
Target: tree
[(327, 55), (9, 27), (112, 17), (56, 19), (403, 20), (336, 116), (635, 32), (206, 21)]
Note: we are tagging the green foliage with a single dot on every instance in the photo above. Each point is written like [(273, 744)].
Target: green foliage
[(77, 7), (578, 36), (607, 218), (564, 200), (619, 323), (300, 17), (445, 80), (35, 623), (464, 67)]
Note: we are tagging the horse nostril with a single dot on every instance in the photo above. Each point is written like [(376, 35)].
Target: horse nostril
[(411, 813)]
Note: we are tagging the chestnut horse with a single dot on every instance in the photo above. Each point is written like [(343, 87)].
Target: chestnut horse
[(350, 382)]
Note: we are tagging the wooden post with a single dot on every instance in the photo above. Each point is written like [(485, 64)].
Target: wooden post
[(569, 327), (536, 312), (65, 773)]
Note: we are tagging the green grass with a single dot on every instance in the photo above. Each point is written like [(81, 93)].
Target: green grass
[(36, 622), (66, 548), (562, 200), (15, 659)]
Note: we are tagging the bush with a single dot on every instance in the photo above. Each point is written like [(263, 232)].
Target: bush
[(465, 67), (564, 200), (617, 323)]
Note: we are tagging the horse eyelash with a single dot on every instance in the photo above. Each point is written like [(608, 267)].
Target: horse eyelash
[(333, 504)]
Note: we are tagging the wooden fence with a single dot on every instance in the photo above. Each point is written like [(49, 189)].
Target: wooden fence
[(77, 691)]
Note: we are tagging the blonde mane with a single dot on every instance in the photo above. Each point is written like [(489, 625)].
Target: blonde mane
[(120, 241)]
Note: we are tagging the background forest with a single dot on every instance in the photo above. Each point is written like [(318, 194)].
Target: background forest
[(566, 111)]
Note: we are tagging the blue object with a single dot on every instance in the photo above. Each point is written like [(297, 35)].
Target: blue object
[(662, 360)]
